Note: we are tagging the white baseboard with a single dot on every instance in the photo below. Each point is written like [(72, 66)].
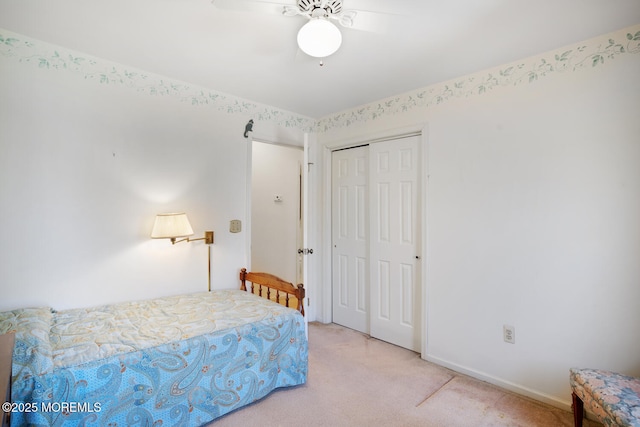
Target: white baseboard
[(516, 388)]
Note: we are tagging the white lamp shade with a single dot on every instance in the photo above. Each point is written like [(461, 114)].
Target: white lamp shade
[(319, 38), (171, 225)]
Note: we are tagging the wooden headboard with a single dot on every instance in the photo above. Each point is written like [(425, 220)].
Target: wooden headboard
[(283, 290)]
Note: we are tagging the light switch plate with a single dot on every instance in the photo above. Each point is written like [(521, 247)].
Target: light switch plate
[(235, 226)]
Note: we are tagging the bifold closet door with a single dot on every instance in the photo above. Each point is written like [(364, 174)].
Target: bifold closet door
[(350, 235), (393, 242)]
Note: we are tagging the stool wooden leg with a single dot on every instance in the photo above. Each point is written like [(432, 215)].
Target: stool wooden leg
[(578, 410)]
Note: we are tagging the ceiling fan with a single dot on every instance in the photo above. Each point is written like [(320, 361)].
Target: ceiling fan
[(319, 37)]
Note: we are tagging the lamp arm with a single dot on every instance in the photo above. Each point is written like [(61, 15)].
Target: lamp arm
[(208, 238)]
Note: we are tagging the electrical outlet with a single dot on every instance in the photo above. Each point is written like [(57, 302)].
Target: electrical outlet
[(509, 334)]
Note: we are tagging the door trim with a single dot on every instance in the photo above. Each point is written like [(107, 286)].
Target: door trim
[(421, 129)]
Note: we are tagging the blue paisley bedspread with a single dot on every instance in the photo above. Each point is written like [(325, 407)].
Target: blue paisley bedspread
[(175, 361)]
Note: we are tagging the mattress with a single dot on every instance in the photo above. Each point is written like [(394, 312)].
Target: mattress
[(180, 360)]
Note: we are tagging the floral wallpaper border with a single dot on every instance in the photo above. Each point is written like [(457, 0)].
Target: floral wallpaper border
[(47, 56), (592, 53)]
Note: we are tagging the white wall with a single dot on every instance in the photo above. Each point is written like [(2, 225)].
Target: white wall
[(275, 225), (533, 220), (533, 215), (84, 168)]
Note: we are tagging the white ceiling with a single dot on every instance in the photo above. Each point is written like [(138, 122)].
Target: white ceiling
[(253, 54)]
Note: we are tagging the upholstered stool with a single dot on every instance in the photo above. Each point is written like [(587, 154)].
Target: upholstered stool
[(613, 398)]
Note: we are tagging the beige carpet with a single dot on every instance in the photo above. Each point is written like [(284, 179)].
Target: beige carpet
[(355, 380)]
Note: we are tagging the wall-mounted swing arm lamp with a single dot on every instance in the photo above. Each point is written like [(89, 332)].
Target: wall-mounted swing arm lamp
[(176, 225)]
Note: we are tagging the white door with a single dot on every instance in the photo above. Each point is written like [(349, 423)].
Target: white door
[(300, 277), (306, 208), (375, 237), (393, 248), (350, 230)]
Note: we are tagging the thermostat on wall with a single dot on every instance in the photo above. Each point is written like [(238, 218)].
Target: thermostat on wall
[(235, 226)]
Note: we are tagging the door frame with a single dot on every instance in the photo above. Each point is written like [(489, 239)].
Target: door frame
[(421, 129), (257, 143), (311, 214), (246, 228)]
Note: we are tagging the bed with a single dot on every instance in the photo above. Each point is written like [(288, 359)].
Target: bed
[(180, 360)]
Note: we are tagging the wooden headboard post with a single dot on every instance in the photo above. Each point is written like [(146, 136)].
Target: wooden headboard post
[(301, 294), (243, 279), (272, 282)]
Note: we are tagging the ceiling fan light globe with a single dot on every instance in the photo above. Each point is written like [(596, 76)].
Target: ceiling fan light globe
[(319, 38)]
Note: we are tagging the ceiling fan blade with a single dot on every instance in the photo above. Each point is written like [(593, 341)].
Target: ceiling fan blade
[(346, 18), (257, 6), (377, 22), (381, 7), (290, 11)]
